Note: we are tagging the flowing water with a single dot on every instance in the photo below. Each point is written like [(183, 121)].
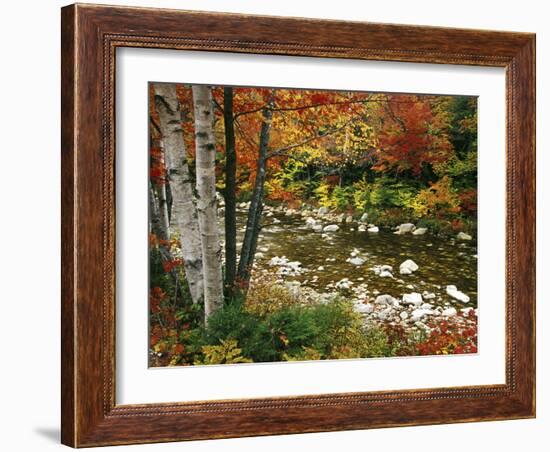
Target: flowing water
[(442, 261)]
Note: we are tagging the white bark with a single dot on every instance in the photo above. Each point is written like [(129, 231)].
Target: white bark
[(206, 198), (184, 216)]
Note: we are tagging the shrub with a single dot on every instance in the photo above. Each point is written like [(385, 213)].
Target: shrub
[(251, 333), (292, 329), (266, 296), (450, 338), (225, 353)]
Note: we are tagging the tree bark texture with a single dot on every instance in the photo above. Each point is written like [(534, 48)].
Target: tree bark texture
[(205, 160), (184, 216)]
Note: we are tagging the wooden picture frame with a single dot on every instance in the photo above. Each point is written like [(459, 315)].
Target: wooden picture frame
[(90, 36)]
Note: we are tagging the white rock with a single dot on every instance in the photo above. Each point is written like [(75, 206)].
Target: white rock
[(290, 212), (418, 314), (317, 228), (385, 274), (413, 298), (276, 221), (383, 315), (405, 228), (259, 255), (278, 261), (373, 229), (420, 231), (343, 284), (322, 210), (428, 295), (364, 218), (449, 312), (386, 300), (463, 236), (331, 228), (320, 268), (387, 268), (349, 219), (263, 249), (407, 267), (427, 306), (404, 315), (310, 222), (362, 228), (364, 308), (356, 261), (457, 294)]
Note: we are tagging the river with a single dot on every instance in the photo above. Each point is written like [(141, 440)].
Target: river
[(442, 261)]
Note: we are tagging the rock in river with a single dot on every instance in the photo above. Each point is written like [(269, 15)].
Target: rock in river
[(405, 228), (373, 229), (331, 228), (356, 261), (344, 284), (420, 231), (408, 267), (463, 236)]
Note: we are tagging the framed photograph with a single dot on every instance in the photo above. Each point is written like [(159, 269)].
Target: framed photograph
[(281, 225)]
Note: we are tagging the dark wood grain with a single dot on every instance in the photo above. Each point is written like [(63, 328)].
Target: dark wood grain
[(90, 36)]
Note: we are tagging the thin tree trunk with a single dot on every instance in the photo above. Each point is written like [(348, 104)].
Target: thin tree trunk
[(184, 212), (206, 198), (156, 226), (154, 212), (230, 193), (163, 203), (253, 224)]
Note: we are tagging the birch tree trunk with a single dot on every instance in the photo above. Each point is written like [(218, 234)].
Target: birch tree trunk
[(205, 160), (229, 193), (253, 223), (184, 215)]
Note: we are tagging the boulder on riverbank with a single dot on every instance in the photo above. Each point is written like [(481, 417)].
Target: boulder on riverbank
[(457, 294), (413, 298)]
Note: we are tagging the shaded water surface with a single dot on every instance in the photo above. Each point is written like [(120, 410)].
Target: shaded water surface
[(442, 261)]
